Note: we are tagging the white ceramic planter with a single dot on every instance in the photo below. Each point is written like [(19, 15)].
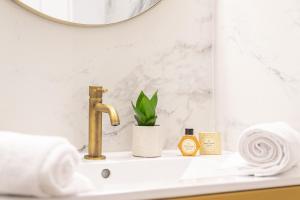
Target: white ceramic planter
[(147, 141)]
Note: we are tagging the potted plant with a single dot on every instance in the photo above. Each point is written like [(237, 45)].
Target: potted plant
[(147, 140)]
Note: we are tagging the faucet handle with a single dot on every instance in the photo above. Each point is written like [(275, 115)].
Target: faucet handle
[(96, 91), (104, 90)]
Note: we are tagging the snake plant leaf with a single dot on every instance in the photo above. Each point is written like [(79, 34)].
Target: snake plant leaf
[(138, 113), (147, 108), (139, 100), (151, 121), (139, 121), (154, 100)]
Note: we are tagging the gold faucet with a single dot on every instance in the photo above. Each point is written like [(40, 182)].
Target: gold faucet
[(96, 108)]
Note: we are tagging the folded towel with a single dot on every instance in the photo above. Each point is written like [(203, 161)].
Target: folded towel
[(269, 149), (40, 166)]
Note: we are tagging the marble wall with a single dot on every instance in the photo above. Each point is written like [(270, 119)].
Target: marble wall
[(46, 68), (257, 64)]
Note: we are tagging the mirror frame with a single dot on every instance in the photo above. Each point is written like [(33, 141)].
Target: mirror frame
[(60, 21)]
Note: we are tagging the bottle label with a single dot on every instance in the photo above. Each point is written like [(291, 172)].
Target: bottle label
[(189, 146)]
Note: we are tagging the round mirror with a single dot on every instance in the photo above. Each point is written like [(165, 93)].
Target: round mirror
[(88, 12)]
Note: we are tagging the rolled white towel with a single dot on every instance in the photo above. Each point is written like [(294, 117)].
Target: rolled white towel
[(269, 149), (40, 166)]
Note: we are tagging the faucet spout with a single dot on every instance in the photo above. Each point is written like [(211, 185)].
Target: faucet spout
[(113, 115)]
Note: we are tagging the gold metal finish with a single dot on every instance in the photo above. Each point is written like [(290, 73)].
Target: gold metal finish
[(96, 108), (279, 193)]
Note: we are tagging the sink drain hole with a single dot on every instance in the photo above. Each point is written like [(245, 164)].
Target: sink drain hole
[(105, 173)]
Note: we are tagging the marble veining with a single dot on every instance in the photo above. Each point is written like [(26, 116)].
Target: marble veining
[(250, 48), (184, 88), (44, 88), (258, 75)]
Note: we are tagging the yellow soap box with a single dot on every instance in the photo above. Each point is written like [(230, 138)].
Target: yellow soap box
[(210, 143)]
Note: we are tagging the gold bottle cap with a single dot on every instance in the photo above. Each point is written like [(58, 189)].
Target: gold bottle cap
[(189, 131)]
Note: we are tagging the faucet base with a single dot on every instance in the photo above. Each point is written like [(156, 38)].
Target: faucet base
[(88, 157)]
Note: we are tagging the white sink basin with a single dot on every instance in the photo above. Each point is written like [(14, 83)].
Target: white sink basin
[(172, 176), (169, 176), (131, 172)]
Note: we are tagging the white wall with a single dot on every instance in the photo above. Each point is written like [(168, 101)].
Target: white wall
[(257, 64), (45, 70)]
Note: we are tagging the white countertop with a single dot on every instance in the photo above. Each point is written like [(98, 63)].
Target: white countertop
[(171, 176)]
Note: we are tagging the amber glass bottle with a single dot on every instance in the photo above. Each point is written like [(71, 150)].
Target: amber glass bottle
[(189, 144)]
